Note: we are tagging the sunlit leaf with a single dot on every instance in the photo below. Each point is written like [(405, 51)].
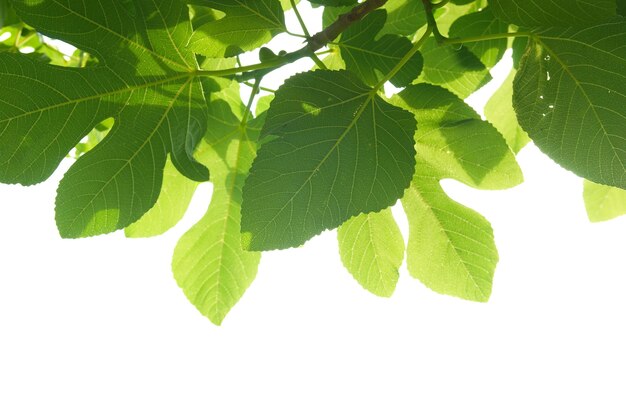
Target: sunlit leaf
[(246, 24), (451, 247), (372, 249), (174, 198), (209, 264), (603, 202), (499, 111), (453, 67)]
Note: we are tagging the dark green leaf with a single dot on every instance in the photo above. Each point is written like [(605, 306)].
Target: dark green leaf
[(482, 23), (554, 12), (341, 151), (570, 96), (372, 58), (144, 81)]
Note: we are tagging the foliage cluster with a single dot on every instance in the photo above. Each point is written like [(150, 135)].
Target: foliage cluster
[(149, 105)]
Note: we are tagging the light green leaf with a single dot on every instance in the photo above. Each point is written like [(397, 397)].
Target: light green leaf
[(176, 193), (451, 12), (451, 247), (499, 111), (554, 12), (372, 249), (341, 151), (246, 25), (482, 23), (570, 96), (404, 17), (144, 80), (603, 202), (456, 69), (209, 264), (455, 142), (371, 58)]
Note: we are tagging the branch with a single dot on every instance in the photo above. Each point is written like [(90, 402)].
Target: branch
[(317, 41), (342, 23)]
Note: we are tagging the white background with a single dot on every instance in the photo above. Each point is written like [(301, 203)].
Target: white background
[(97, 328)]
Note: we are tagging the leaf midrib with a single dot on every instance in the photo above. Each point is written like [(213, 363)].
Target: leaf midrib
[(127, 40), (128, 88), (130, 159)]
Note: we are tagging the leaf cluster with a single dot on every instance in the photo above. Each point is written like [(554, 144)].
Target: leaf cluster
[(149, 105)]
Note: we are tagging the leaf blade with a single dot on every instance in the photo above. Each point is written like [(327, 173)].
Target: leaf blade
[(371, 248), (297, 187)]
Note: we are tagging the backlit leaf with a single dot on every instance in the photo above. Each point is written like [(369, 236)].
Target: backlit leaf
[(209, 264), (246, 25), (372, 249), (452, 67), (176, 193), (603, 202), (451, 248), (499, 111)]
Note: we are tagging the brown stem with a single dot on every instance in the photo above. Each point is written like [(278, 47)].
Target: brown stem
[(342, 23)]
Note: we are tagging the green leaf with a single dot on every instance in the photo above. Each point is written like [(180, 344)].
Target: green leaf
[(450, 13), (570, 96), (603, 202), (404, 17), (334, 3), (341, 151), (372, 249), (176, 193), (482, 23), (499, 111), (246, 25), (554, 12), (451, 247), (455, 142), (371, 58), (456, 69), (145, 81), (209, 264)]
